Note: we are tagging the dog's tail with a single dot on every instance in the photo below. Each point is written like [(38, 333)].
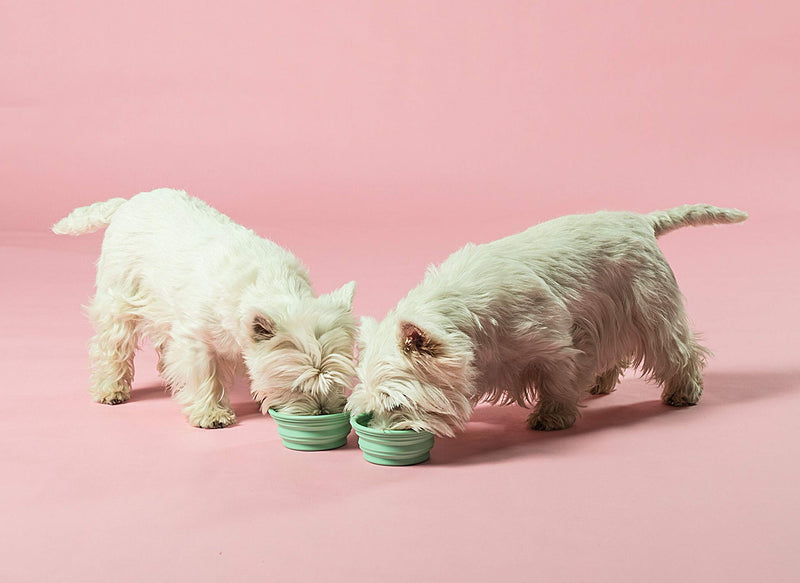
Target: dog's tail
[(88, 219), (693, 214)]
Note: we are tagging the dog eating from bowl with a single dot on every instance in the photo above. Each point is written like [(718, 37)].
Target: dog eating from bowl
[(215, 300), (540, 319)]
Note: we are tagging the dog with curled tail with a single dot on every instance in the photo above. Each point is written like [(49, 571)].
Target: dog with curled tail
[(540, 318), (215, 300)]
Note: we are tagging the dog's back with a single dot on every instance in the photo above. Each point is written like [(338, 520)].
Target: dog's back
[(177, 245)]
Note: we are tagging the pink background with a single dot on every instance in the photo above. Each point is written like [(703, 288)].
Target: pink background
[(372, 139)]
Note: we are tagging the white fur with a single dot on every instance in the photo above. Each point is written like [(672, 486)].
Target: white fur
[(214, 299), (542, 317)]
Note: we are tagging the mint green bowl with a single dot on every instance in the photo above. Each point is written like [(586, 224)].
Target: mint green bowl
[(391, 447), (312, 432)]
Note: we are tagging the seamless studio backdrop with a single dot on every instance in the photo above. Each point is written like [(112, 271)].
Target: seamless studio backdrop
[(372, 139)]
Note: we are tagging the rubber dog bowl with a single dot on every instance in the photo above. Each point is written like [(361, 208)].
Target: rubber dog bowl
[(312, 432), (390, 447)]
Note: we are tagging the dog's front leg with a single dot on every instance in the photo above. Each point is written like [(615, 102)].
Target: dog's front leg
[(190, 366), (558, 393)]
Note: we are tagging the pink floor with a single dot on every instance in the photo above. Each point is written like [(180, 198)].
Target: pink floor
[(636, 491), (371, 139)]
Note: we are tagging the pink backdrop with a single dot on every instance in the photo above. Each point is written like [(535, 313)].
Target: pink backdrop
[(373, 139)]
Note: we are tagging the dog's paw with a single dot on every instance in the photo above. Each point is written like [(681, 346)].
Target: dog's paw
[(606, 382), (601, 388), (603, 385), (679, 400), (112, 397), (214, 419), (686, 395), (540, 421)]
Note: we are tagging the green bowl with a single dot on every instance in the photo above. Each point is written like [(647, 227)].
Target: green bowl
[(389, 447), (312, 432)]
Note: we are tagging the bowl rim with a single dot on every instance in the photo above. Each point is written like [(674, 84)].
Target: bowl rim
[(278, 416), (355, 421)]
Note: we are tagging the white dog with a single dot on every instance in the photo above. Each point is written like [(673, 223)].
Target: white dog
[(213, 298), (549, 315)]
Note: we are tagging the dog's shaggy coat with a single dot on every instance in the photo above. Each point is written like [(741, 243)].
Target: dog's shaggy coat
[(214, 299), (539, 318)]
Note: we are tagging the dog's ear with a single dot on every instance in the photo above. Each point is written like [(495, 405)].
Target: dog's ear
[(415, 340), (365, 332), (344, 295), (263, 328)]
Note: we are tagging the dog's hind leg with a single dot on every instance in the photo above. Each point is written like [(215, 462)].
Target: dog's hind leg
[(194, 374), (683, 383), (111, 350), (671, 354)]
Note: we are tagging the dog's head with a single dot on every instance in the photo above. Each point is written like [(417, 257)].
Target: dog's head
[(299, 353), (412, 377)]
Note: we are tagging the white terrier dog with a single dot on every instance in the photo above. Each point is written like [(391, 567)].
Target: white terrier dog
[(211, 296), (549, 314)]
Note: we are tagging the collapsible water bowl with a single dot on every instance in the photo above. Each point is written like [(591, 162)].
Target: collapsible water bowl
[(391, 447), (312, 432)]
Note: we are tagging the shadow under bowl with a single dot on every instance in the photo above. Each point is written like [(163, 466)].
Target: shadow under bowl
[(390, 447), (312, 432)]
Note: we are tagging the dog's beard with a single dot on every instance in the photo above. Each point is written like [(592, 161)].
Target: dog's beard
[(411, 406), (285, 379), (298, 403), (400, 419)]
